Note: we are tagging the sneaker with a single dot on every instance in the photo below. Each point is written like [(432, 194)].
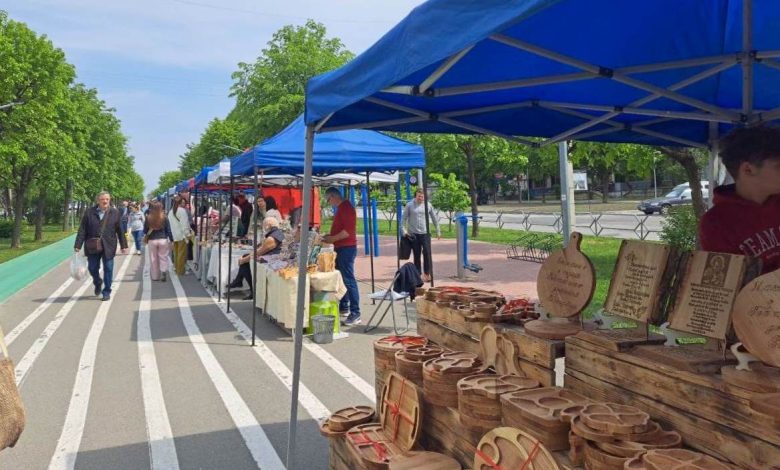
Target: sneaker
[(344, 313), (106, 297), (98, 289), (164, 277), (351, 321)]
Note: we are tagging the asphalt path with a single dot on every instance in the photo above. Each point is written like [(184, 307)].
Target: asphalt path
[(163, 377)]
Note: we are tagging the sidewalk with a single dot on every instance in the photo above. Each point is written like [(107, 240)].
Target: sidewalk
[(509, 277)]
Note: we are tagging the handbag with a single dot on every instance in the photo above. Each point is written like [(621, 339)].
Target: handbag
[(146, 236), (12, 415), (94, 246)]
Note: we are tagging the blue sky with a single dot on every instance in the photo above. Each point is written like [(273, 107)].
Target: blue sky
[(165, 65)]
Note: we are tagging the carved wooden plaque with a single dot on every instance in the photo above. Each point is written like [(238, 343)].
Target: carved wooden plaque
[(637, 284), (566, 280), (757, 318), (707, 292)]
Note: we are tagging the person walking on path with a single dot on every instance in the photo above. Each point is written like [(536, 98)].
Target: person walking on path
[(415, 230), (180, 228), (157, 232), (342, 236), (99, 231), (136, 222), (124, 210)]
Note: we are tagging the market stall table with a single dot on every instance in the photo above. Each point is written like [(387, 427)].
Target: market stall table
[(214, 264)]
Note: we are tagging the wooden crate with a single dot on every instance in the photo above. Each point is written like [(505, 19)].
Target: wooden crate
[(710, 418), (448, 338)]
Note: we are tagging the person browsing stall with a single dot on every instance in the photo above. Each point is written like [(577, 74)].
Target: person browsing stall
[(342, 236), (158, 238), (271, 244), (745, 216), (416, 231)]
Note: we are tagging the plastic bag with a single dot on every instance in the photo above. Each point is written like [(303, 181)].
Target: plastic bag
[(78, 266)]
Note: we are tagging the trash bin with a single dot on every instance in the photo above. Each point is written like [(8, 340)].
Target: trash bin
[(323, 329)]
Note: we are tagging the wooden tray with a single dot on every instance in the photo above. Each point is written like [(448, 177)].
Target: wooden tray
[(674, 459), (479, 398), (756, 317), (665, 440), (441, 375), (399, 412), (326, 431), (598, 458), (614, 418), (566, 280), (590, 434), (541, 406), (371, 446), (424, 461), (423, 352), (346, 418), (511, 448), (553, 329)]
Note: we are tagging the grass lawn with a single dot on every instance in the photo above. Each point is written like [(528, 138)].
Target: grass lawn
[(51, 234), (602, 252)]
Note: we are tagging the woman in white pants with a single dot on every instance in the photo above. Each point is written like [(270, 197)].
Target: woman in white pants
[(158, 237)]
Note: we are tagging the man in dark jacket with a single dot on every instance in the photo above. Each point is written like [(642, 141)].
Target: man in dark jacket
[(104, 223)]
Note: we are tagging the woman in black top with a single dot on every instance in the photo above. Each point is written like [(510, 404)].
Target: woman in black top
[(158, 238)]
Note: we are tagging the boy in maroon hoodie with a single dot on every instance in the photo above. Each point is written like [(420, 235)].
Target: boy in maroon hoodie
[(745, 217)]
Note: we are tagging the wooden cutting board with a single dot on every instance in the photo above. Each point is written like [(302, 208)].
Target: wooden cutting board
[(424, 461), (670, 459), (566, 280), (554, 330), (708, 289), (488, 343), (756, 318), (399, 412), (511, 448)]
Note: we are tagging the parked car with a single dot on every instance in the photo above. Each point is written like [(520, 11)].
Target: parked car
[(681, 194)]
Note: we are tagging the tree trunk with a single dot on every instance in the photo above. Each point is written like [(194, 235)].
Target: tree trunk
[(66, 206), (468, 149), (40, 206), (686, 159), (605, 187), (519, 191), (19, 207)]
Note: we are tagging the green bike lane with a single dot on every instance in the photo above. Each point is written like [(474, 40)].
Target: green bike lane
[(22, 271)]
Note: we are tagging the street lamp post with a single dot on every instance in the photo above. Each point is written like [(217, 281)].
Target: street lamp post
[(655, 182)]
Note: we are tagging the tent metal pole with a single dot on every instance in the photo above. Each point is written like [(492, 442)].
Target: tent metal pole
[(640, 102), (747, 59), (424, 182), (398, 210), (443, 68), (487, 109), (693, 116), (255, 277), (219, 247), (513, 84), (371, 247), (369, 125), (301, 299), (567, 191), (671, 138), (230, 240)]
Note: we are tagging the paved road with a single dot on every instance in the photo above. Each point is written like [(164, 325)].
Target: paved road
[(161, 377)]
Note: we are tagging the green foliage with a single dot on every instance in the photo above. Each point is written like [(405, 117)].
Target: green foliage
[(220, 139), (451, 195), (166, 181), (602, 160), (6, 227), (270, 92), (680, 228)]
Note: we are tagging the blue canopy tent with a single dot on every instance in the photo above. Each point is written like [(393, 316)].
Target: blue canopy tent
[(663, 72)]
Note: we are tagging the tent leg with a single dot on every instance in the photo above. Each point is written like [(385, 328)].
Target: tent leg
[(567, 190), (398, 210), (230, 241), (219, 247), (371, 247), (300, 303), (429, 246), (253, 287)]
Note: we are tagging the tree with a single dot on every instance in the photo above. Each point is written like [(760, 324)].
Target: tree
[(166, 181), (603, 159), (270, 92), (688, 159), (451, 195), (221, 138)]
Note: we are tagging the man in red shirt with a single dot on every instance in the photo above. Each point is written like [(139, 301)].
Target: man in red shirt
[(342, 236), (745, 217)]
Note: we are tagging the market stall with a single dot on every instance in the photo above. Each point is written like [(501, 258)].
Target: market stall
[(662, 73)]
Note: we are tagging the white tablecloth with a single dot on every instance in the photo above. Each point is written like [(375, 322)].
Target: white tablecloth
[(214, 267)]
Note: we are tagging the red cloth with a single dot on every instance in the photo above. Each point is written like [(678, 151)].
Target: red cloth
[(739, 226), (345, 219)]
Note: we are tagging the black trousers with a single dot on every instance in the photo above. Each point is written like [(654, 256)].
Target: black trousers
[(244, 274), (421, 244)]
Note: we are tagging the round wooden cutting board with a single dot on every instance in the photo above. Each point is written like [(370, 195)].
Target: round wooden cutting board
[(756, 317), (566, 280)]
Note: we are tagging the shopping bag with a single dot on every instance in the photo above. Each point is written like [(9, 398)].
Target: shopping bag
[(78, 266), (12, 415)]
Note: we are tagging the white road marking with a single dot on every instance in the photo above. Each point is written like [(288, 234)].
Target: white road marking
[(65, 453), (255, 438), (19, 329), (306, 398), (25, 364), (162, 449), (342, 370)]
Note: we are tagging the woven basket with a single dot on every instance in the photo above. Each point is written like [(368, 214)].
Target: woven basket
[(326, 262), (12, 416)]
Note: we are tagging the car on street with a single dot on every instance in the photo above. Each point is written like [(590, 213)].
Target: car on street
[(681, 194)]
